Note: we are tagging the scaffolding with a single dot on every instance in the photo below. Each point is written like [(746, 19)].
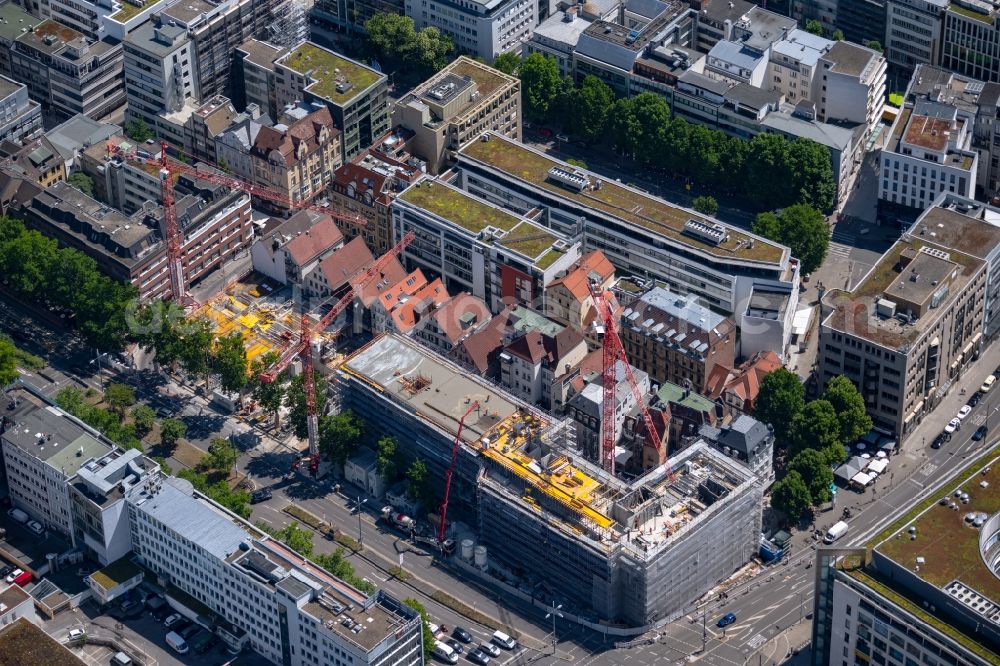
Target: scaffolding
[(291, 23)]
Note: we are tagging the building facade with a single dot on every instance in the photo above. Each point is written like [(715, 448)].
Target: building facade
[(913, 32), (481, 28), (20, 116)]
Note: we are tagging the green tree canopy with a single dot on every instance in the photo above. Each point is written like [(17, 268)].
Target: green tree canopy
[(421, 487), (592, 103), (69, 399), (196, 346), (706, 204), (221, 456), (387, 458), (8, 363), (428, 635), (171, 430), (807, 165), (237, 501), (837, 36), (815, 471), (802, 228), (82, 182), (540, 84), (138, 131), (144, 418), (340, 435), (874, 45), (815, 27), (296, 400), (791, 495), (400, 46), (298, 539), (508, 63), (230, 362), (850, 407), (269, 395), (815, 427), (781, 397), (119, 397)]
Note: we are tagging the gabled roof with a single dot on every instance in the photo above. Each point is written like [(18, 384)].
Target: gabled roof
[(745, 381), (576, 280), (529, 347), (322, 236), (361, 179), (392, 272), (461, 315), (419, 305), (535, 347), (345, 263), (285, 140), (389, 298), (483, 345)]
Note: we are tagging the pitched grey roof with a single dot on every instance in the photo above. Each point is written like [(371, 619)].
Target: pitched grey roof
[(79, 133), (602, 51), (831, 136)]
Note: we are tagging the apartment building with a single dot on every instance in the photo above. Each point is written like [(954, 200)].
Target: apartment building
[(738, 388), (567, 298), (793, 65), (586, 410), (675, 338), (743, 55), (15, 605), (38, 161), (689, 252), (748, 440), (851, 85), (908, 329), (20, 116), (533, 364), (890, 600), (69, 73), (453, 322), (913, 32), (122, 184), (296, 160), (43, 447), (480, 28), (454, 108), (288, 250), (131, 248), (356, 94)]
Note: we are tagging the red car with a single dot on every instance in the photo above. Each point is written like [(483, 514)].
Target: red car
[(24, 578)]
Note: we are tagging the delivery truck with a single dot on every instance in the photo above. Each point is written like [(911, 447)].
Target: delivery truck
[(838, 530)]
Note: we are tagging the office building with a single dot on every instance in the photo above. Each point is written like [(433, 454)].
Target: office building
[(851, 81), (14, 22), (913, 32), (20, 116), (916, 319), (69, 73), (122, 184), (969, 40), (557, 37), (480, 28), (638, 233), (455, 106), (922, 591), (254, 75), (356, 94), (626, 552)]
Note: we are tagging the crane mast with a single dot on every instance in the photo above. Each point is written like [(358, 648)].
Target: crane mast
[(443, 511)]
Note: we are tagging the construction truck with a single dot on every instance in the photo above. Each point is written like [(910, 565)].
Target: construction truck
[(398, 519)]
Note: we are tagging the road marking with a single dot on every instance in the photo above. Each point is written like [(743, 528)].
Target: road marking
[(929, 469), (979, 419), (756, 641)]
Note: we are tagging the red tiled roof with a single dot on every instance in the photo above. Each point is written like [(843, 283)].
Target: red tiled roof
[(392, 272), (345, 263), (576, 280), (389, 298), (449, 316), (285, 142), (406, 316), (487, 342), (361, 178), (322, 236), (745, 381)]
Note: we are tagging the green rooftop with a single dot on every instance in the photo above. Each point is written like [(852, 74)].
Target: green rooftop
[(458, 207), (672, 393), (488, 80), (529, 240), (548, 258), (968, 13), (327, 70), (69, 459), (14, 21), (525, 320), (130, 11), (626, 204), (115, 574)]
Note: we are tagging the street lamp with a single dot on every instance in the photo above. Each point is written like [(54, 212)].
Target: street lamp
[(361, 502), (553, 614)]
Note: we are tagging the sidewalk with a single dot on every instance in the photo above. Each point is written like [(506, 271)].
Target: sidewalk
[(791, 646)]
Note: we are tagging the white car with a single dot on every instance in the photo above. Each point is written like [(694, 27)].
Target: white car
[(953, 425), (965, 411), (490, 649), (172, 620), (13, 574), (36, 527), (76, 634)]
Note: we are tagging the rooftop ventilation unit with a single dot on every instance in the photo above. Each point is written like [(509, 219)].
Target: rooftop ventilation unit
[(574, 180), (709, 232)]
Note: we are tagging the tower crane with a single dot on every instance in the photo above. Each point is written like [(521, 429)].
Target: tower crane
[(443, 511), (613, 351), (303, 347), (175, 238)]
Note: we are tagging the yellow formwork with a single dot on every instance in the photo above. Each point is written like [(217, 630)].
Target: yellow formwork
[(231, 315)]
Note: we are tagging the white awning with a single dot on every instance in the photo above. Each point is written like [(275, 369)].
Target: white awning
[(863, 479), (800, 323), (877, 466)]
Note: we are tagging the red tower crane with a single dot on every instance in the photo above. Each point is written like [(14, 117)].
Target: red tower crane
[(443, 511), (174, 237), (303, 347), (613, 351)]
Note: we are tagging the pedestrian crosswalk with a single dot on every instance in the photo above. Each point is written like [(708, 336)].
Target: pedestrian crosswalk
[(846, 237), (838, 251)]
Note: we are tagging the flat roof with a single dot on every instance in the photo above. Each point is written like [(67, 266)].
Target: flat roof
[(525, 164), (23, 643), (558, 29), (188, 10), (849, 58), (262, 53), (928, 270), (328, 70), (15, 21), (969, 234), (129, 11), (801, 46), (531, 241), (458, 207), (928, 132), (488, 80), (118, 572), (9, 86)]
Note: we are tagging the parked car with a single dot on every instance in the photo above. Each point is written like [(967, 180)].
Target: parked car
[(132, 608), (4, 570), (964, 411), (939, 440), (975, 399), (478, 656), (260, 496), (13, 574), (980, 433), (461, 634), (172, 620), (36, 527), (454, 645), (953, 425), (726, 620), (190, 630), (988, 384), (490, 649), (76, 634), (503, 640)]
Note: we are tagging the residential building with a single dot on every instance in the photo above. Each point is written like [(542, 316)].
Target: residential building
[(100, 519), (479, 353), (106, 19), (749, 441), (123, 184), (216, 224), (15, 188), (20, 116), (889, 599), (69, 73), (336, 270), (14, 22), (75, 135), (296, 160), (929, 151), (609, 547), (480, 28), (254, 74), (675, 338), (453, 322), (356, 94), (737, 388), (16, 604), (44, 447), (533, 364), (568, 299), (454, 108), (288, 250), (405, 306), (689, 411), (689, 252), (742, 57), (39, 161), (852, 85), (909, 327), (233, 145), (913, 32), (794, 63), (477, 247)]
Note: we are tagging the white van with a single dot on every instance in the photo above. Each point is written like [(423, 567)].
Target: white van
[(838, 530), (503, 640), (121, 659), (18, 515), (175, 641), (444, 652), (988, 384)]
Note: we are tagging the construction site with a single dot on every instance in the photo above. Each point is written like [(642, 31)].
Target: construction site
[(627, 554)]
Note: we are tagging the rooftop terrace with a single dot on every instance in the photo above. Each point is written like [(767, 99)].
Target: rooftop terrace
[(456, 206), (627, 204), (334, 77), (488, 80), (533, 242), (129, 10)]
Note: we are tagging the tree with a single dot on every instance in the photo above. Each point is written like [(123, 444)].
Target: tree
[(767, 181), (540, 83), (815, 27), (230, 362), (431, 50), (196, 346), (815, 427), (269, 395), (592, 101), (623, 128), (874, 45), (577, 163), (810, 175), (837, 36), (800, 227), (27, 262), (8, 363), (508, 63), (340, 435), (706, 204), (386, 458), (69, 399), (296, 538), (780, 398), (336, 563), (850, 407), (420, 483), (237, 501), (398, 44), (791, 495), (221, 456), (296, 399), (138, 131), (652, 115), (815, 471), (223, 164), (144, 418), (171, 430), (428, 635), (119, 397), (82, 182)]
